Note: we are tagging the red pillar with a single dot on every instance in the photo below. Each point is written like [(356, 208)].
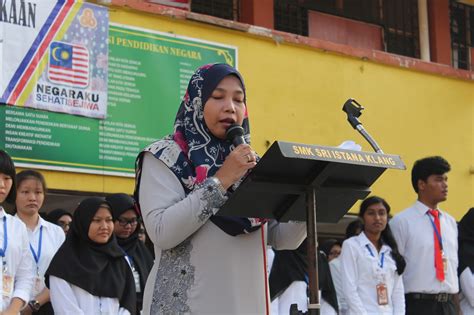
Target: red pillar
[(440, 31), (257, 12)]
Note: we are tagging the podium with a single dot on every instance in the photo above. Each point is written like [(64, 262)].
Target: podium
[(301, 182)]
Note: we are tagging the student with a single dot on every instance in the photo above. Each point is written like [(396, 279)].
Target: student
[(44, 237), (126, 228), (466, 262), (289, 282), (331, 248), (428, 239), (60, 217), (89, 274), (16, 263), (371, 265), (353, 229)]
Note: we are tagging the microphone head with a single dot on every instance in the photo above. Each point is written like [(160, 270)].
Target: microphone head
[(234, 131)]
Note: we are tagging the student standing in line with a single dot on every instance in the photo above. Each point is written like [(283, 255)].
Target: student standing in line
[(332, 248), (372, 266), (126, 228), (89, 274), (60, 217), (45, 238), (466, 262), (353, 229), (16, 263), (428, 239)]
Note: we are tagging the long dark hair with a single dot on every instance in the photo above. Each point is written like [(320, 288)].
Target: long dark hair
[(387, 236), (8, 168)]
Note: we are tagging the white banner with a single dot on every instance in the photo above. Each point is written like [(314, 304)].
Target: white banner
[(54, 56)]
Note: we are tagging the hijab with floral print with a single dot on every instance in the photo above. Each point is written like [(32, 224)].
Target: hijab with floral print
[(192, 152)]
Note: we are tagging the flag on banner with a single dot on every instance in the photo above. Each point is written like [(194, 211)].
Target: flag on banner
[(68, 64)]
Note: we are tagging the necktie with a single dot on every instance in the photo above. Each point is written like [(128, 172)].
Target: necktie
[(437, 248)]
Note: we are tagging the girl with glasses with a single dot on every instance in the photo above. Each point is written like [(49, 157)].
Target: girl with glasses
[(126, 229)]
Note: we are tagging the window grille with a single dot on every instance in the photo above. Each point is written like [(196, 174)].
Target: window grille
[(225, 9), (462, 34), (398, 18), (291, 16)]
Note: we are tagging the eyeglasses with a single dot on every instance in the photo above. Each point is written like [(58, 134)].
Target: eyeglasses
[(64, 224), (123, 222)]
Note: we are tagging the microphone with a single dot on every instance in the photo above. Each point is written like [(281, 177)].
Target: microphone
[(235, 133)]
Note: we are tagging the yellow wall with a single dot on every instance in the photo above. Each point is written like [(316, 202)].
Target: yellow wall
[(296, 94)]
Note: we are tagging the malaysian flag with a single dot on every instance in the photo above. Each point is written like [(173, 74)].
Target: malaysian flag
[(68, 64)]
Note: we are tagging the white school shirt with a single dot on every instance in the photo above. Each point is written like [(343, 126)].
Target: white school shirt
[(17, 258), (336, 274), (466, 296), (69, 299), (413, 232), (359, 278), (53, 237), (296, 293)]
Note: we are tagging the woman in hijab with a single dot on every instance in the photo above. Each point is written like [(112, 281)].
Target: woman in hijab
[(331, 248), (60, 217), (289, 281), (126, 229), (466, 262), (89, 274), (205, 263)]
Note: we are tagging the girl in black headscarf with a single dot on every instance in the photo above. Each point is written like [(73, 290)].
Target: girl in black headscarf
[(126, 229), (289, 280), (60, 217), (89, 273), (466, 262)]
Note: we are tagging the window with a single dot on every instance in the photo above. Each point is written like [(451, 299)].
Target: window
[(399, 19), (225, 9), (462, 34), (290, 16)]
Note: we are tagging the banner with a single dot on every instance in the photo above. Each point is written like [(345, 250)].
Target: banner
[(54, 56), (147, 77)]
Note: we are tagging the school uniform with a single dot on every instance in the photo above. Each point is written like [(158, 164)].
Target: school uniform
[(15, 260), (415, 234), (466, 262), (366, 273), (86, 277), (70, 299)]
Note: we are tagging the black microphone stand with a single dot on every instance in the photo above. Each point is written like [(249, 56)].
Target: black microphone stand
[(353, 110)]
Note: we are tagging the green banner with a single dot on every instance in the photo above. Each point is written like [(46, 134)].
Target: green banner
[(148, 75)]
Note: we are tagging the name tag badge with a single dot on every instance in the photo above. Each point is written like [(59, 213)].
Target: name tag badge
[(7, 286), (38, 285), (382, 294), (445, 263)]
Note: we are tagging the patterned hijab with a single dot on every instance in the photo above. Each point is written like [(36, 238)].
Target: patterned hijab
[(192, 152)]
